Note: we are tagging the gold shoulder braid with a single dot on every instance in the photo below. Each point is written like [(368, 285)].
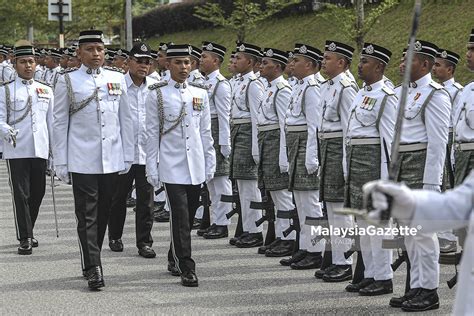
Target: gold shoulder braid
[(77, 106), (161, 113), (10, 108)]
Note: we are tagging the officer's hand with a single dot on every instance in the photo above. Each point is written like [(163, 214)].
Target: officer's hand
[(226, 150), (283, 168), (9, 136), (128, 165), (62, 173), (154, 180), (209, 177), (431, 187), (311, 168), (403, 200), (50, 165), (256, 159)]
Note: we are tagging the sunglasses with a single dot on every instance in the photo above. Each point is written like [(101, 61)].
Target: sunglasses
[(143, 61)]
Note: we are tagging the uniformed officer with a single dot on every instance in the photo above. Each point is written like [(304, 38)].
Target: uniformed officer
[(162, 61), (139, 62), (219, 93), (337, 95), (73, 61), (401, 73), (26, 113), (63, 60), (246, 97), (93, 140), (153, 73), (109, 57), (273, 173), (231, 69), (454, 210), (51, 73), (292, 81), (120, 59), (302, 119), (180, 152), (7, 73), (443, 70), (424, 137), (368, 143), (39, 72), (195, 74)]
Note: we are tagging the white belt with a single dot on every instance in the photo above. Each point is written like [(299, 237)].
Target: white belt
[(213, 116), (464, 146), (412, 147), (296, 128), (328, 135), (241, 121), (364, 141), (268, 127)]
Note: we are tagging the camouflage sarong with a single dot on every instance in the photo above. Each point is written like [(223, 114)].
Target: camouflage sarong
[(242, 166), (222, 164), (299, 179), (464, 165), (332, 174), (411, 168), (269, 175)]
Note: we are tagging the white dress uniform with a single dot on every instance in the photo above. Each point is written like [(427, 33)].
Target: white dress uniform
[(426, 124), (292, 81), (304, 110), (319, 78), (337, 95), (372, 119), (50, 76), (165, 75), (195, 76), (155, 76), (220, 98), (272, 112), (39, 73), (464, 116), (246, 97), (7, 72)]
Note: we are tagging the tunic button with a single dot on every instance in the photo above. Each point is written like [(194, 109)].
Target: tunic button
[(103, 138), (103, 111), (187, 125), (100, 99), (103, 124), (187, 137)]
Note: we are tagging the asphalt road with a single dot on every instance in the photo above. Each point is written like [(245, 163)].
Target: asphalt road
[(232, 280)]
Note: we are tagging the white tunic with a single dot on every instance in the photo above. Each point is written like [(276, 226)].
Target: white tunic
[(454, 89), (196, 77), (464, 115), (97, 139), (155, 76)]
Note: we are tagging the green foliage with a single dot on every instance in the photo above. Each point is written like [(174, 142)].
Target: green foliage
[(245, 16)]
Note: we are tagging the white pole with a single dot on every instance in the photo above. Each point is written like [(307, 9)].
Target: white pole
[(128, 18)]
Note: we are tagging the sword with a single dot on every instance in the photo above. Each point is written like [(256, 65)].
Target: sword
[(54, 204)]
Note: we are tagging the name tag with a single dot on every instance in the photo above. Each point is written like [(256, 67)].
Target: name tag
[(114, 88)]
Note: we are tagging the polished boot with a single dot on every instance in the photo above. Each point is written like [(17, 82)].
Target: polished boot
[(338, 274), (251, 240), (263, 249), (312, 260), (172, 268), (425, 300), (34, 242), (146, 252), (95, 279), (320, 273), (162, 217), (189, 278), (355, 287), (202, 231), (131, 202), (398, 301), (233, 240), (26, 247), (196, 223), (297, 256), (218, 231), (379, 287), (282, 249), (116, 245)]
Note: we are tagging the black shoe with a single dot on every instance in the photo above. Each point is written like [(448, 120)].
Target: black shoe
[(95, 279), (146, 252), (216, 232), (233, 240), (34, 242), (202, 231), (25, 247), (282, 249), (172, 268), (116, 245), (379, 287), (196, 223), (189, 278), (312, 260), (162, 217), (159, 206), (251, 240), (297, 256), (321, 272), (447, 246), (131, 202), (338, 274), (398, 301), (425, 300), (263, 249), (355, 287)]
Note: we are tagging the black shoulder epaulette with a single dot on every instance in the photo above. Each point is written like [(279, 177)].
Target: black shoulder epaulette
[(6, 82), (43, 82), (199, 85), (114, 69), (158, 85)]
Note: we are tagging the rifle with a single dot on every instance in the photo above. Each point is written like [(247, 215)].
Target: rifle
[(269, 215), (206, 203), (236, 209)]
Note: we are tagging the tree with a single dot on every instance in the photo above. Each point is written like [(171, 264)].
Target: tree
[(245, 15), (354, 21)]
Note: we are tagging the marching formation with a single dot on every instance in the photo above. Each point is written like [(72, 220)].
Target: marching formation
[(290, 139)]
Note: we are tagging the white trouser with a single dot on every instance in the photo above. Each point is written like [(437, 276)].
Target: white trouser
[(448, 235), (199, 212), (217, 187), (134, 194), (339, 245), (423, 252), (307, 204), (283, 201), (377, 261), (248, 191)]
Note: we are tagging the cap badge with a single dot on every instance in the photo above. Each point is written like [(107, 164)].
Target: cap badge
[(290, 55), (164, 47), (444, 54), (209, 46), (119, 52), (369, 49), (143, 48), (332, 47), (418, 46), (242, 48), (269, 53), (303, 49)]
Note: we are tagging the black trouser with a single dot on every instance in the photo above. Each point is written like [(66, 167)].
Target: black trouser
[(92, 199), (144, 210), (183, 201), (28, 184)]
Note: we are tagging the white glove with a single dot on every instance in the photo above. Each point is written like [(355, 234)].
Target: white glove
[(256, 159), (128, 165), (10, 136), (154, 180), (403, 200), (283, 168), (226, 150), (62, 173), (311, 168), (209, 177), (431, 187)]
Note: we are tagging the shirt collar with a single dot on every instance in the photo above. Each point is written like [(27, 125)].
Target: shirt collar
[(129, 81), (448, 82), (336, 79), (177, 85), (375, 86), (247, 75), (423, 81), (213, 75), (90, 71), (275, 81), (24, 81)]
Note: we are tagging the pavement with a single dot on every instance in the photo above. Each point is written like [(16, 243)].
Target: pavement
[(231, 280)]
